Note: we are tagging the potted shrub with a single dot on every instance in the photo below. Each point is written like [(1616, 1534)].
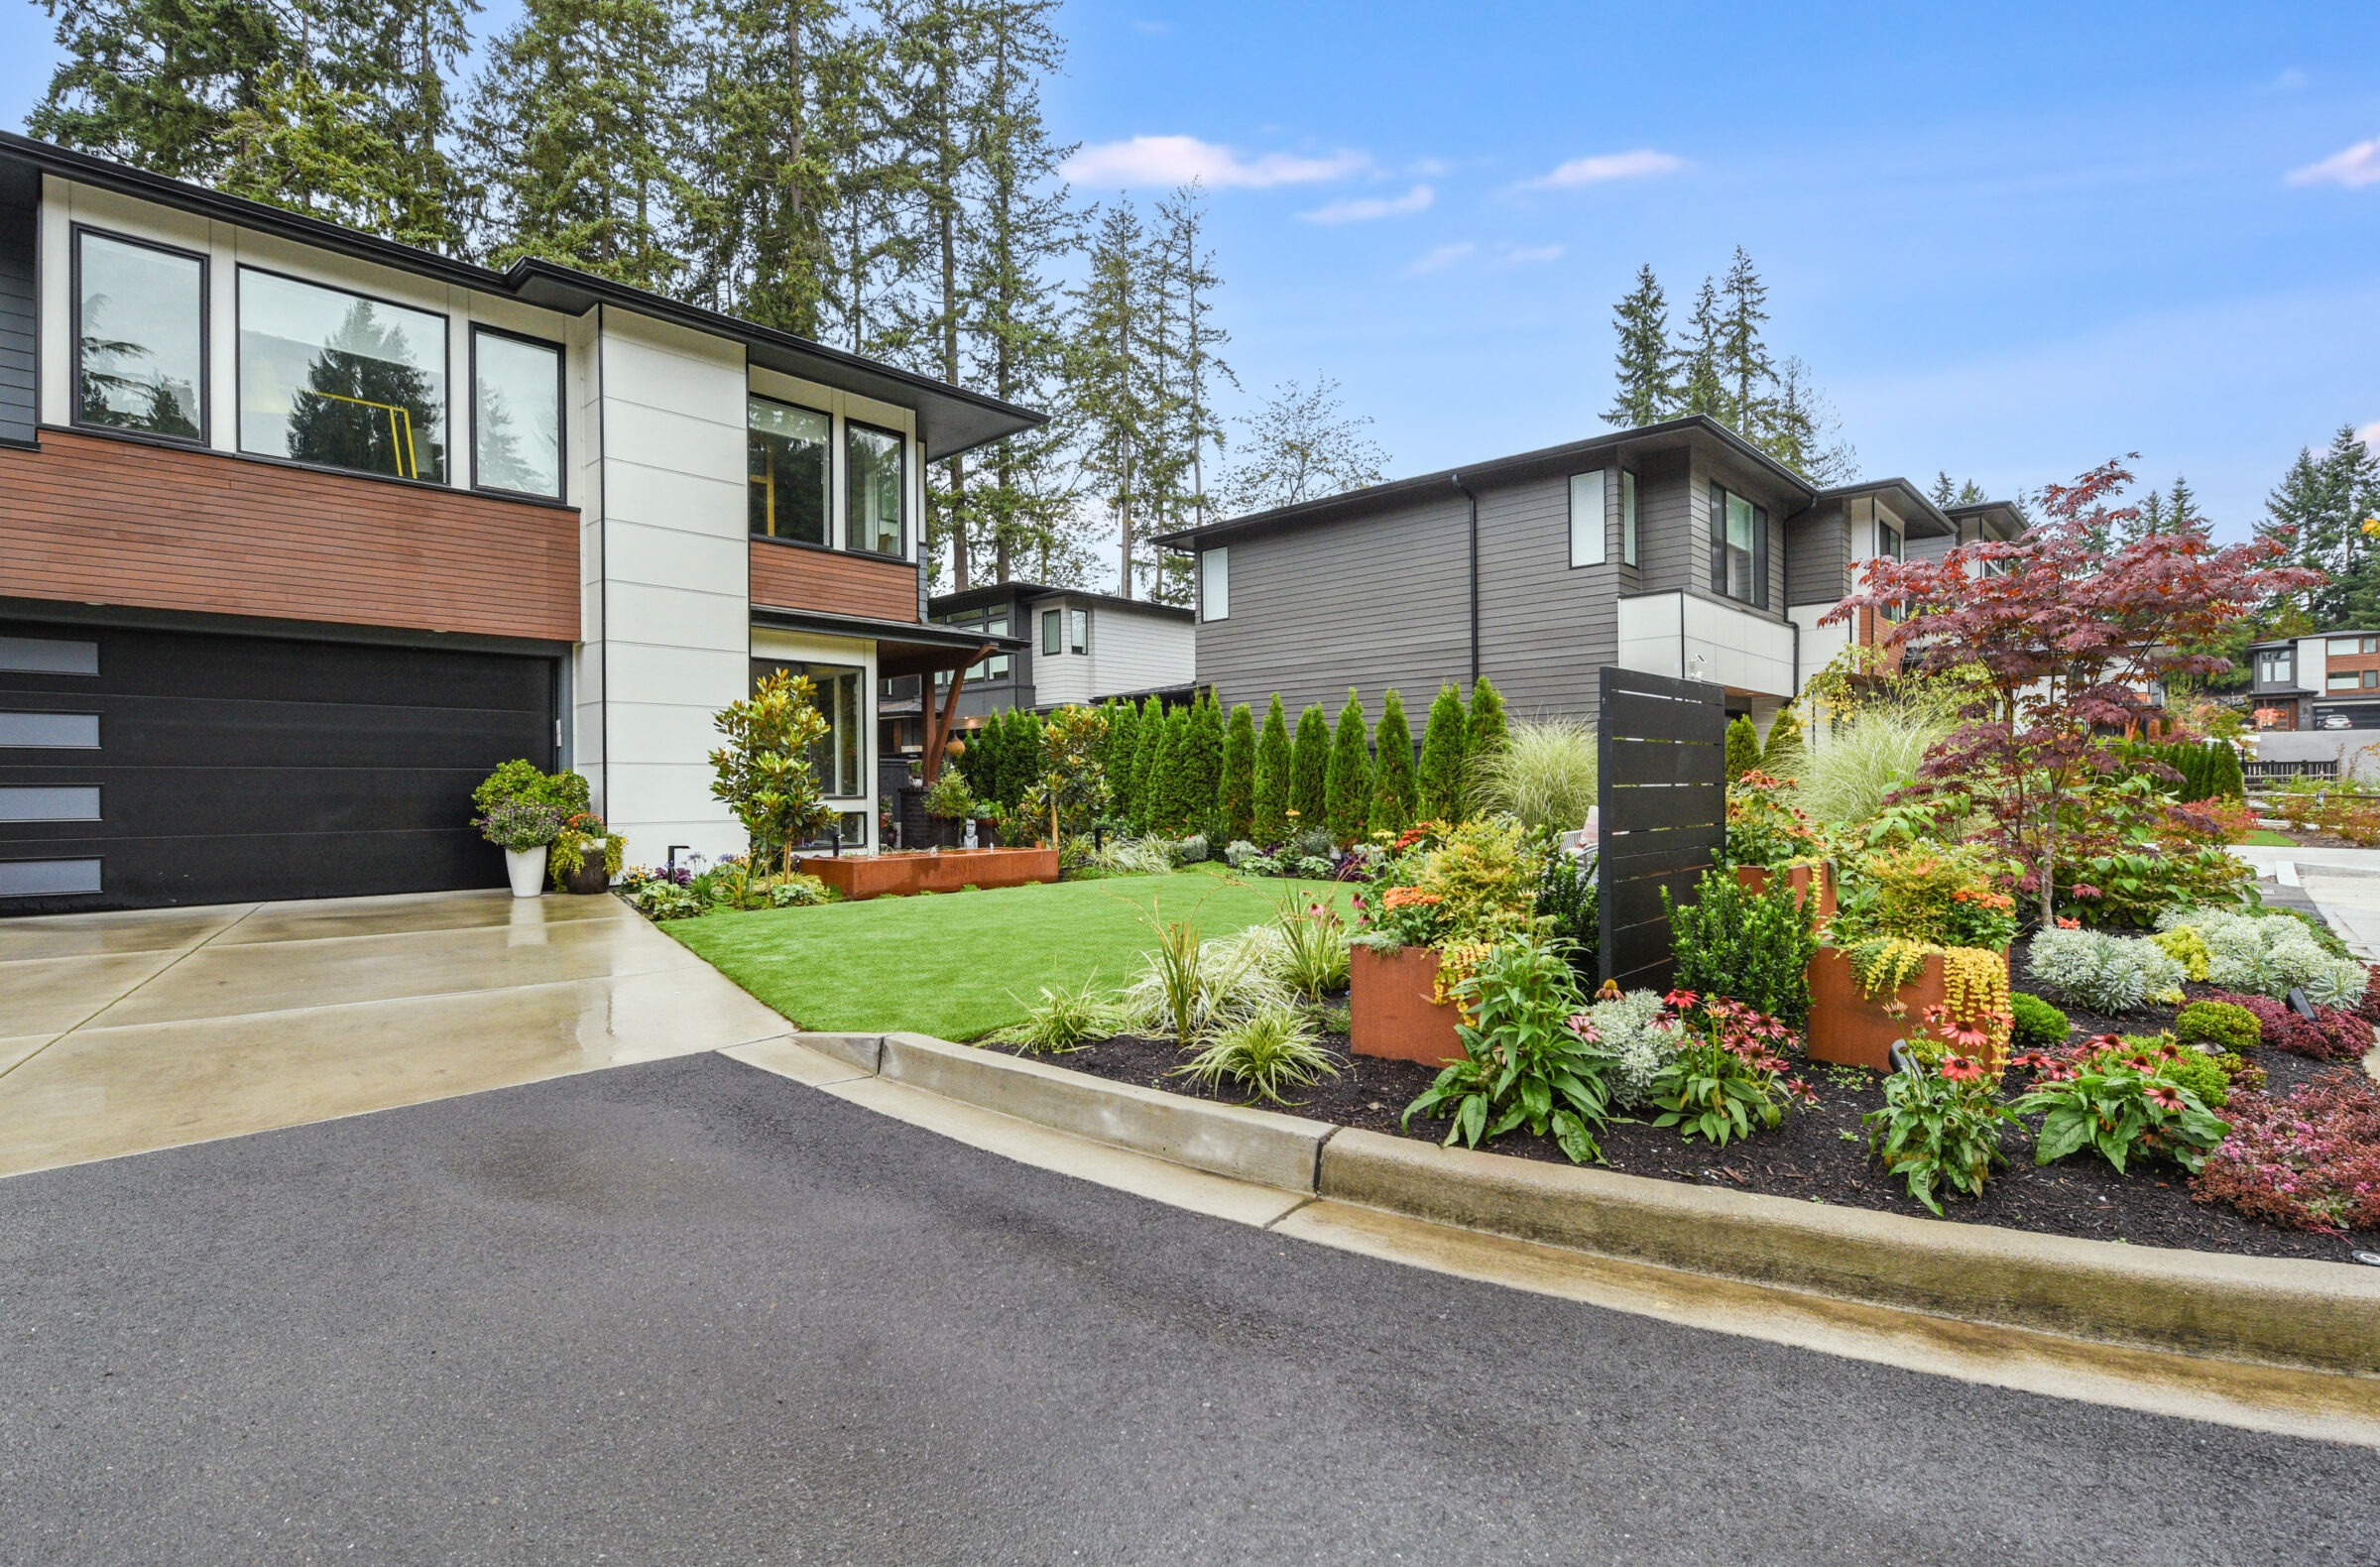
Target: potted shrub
[(949, 802), (1768, 837), (524, 829), (1435, 913), (1916, 952), (585, 854)]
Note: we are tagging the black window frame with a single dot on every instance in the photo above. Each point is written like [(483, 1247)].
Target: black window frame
[(561, 414), (751, 397), (1719, 494), (206, 352), (1629, 554), (1600, 533), (764, 665), (900, 446), (239, 378)]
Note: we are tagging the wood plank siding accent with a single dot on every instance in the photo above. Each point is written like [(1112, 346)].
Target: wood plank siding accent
[(87, 519), (830, 582)]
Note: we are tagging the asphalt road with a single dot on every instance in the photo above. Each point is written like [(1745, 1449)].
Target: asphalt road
[(692, 1312)]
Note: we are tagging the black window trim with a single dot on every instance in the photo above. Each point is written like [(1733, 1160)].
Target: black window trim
[(750, 395), (562, 413), (1631, 549), (1719, 548), (206, 401), (445, 358), (1051, 623), (1569, 496), (900, 444), (867, 715)]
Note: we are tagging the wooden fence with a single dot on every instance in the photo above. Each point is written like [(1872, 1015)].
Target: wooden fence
[(1662, 806)]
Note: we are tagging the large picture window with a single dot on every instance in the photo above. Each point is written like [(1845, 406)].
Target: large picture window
[(515, 415), (787, 447), (840, 696), (140, 338), (874, 496), (1738, 547), (340, 380)]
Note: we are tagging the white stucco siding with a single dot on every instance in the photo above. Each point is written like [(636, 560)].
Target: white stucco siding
[(1135, 650), (1667, 633)]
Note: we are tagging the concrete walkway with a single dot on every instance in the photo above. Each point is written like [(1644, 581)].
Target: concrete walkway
[(124, 1032), (2342, 884)]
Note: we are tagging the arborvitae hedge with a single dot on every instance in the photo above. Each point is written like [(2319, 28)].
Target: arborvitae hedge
[(1268, 812), (1440, 786), (1743, 747), (1392, 785), (1486, 724), (1236, 802), (2208, 772), (1309, 771), (1124, 731), (1782, 756), (1347, 787), (1148, 750), (1168, 791), (1202, 756)]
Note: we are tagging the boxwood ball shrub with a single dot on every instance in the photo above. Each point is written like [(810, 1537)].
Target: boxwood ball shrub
[(2039, 1023), (2101, 973), (1750, 947), (2218, 1022)]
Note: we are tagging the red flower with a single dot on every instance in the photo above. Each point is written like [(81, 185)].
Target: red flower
[(1680, 999), (1959, 1070), (2065, 923), (2165, 1096)]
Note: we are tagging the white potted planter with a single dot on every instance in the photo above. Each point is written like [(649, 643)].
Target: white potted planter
[(527, 870)]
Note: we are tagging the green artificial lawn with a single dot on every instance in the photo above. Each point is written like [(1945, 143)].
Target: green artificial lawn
[(958, 965), (2266, 838)]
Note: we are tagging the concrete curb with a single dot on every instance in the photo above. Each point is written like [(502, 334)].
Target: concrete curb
[(1223, 1140), (2282, 1310)]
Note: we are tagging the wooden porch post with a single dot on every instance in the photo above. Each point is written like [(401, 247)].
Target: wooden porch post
[(938, 725)]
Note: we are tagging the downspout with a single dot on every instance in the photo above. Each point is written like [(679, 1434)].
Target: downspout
[(1473, 498)]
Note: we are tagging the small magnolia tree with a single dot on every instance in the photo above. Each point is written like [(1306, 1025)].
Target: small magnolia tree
[(2068, 636), (762, 774), (1072, 791)]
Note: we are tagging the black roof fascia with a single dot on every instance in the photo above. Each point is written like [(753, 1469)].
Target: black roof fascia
[(1397, 489), (1942, 524), (950, 420), (992, 593)]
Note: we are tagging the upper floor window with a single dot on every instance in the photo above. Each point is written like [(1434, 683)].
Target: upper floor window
[(341, 380), (1628, 518), (140, 338), (1215, 584), (516, 414), (2354, 680), (785, 447), (1888, 539), (1586, 521), (996, 624), (2277, 667), (1078, 631), (1052, 635), (2352, 647), (1738, 547), (876, 491)]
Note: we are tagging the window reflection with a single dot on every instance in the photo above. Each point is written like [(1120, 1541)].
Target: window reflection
[(138, 363), (332, 378)]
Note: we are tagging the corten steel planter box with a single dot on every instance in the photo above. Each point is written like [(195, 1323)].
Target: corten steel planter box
[(863, 876), (1388, 997), (1754, 878), (1847, 1027)]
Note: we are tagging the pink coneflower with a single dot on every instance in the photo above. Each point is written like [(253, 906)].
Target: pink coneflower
[(1959, 1070), (2165, 1096), (1583, 1026), (1680, 999)]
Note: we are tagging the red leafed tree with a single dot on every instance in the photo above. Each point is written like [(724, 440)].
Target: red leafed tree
[(2071, 634)]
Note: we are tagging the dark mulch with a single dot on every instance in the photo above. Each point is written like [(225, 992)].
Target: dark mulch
[(1819, 1152)]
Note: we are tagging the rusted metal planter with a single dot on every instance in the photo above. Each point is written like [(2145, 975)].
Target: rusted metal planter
[(1755, 878), (1847, 1027), (1390, 997), (860, 877)]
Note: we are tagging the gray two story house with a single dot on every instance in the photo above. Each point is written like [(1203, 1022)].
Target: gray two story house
[(1679, 548)]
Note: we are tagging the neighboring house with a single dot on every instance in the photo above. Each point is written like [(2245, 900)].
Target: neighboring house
[(301, 532), (1679, 548), (2325, 684)]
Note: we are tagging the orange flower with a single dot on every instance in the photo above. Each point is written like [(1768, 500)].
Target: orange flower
[(1409, 898)]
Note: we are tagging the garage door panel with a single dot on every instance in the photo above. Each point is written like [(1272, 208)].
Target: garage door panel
[(240, 868), (238, 767)]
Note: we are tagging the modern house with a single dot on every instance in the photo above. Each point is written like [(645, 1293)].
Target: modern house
[(1080, 647), (301, 532), (2322, 684), (1678, 548)]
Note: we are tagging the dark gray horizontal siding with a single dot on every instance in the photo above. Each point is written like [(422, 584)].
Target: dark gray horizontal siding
[(18, 314), (1759, 489), (1818, 550), (1545, 627), (1369, 602)]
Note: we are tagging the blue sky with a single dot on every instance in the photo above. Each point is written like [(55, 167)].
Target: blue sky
[(2010, 241)]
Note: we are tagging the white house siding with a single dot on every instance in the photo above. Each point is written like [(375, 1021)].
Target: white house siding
[(1137, 651), (675, 645), (1666, 633)]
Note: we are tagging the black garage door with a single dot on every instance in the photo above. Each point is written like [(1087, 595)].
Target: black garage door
[(143, 767)]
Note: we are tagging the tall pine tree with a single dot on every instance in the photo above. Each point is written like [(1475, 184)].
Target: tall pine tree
[(1647, 367)]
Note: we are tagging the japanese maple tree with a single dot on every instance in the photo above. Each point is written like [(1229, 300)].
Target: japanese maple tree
[(2070, 634)]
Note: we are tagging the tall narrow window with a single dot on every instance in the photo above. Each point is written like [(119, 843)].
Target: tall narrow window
[(1738, 547), (874, 494), (1078, 631), (1588, 523), (996, 624), (1888, 538), (1052, 636), (786, 471), (140, 338), (1628, 518), (1215, 584), (340, 380), (515, 415)]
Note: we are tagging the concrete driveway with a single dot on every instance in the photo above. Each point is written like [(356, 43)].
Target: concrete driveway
[(124, 1032)]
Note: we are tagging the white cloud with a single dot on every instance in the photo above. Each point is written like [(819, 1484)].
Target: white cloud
[(1531, 255), (2355, 167), (1153, 28), (1179, 160), (1641, 163), (1443, 257), (2370, 434), (2289, 80), (1362, 209)]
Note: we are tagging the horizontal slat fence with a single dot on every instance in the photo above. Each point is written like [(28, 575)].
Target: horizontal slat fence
[(1662, 806)]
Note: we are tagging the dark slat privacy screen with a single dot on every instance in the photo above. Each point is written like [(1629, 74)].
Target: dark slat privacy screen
[(1662, 803)]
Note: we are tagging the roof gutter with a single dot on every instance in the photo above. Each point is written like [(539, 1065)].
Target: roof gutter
[(1470, 495)]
